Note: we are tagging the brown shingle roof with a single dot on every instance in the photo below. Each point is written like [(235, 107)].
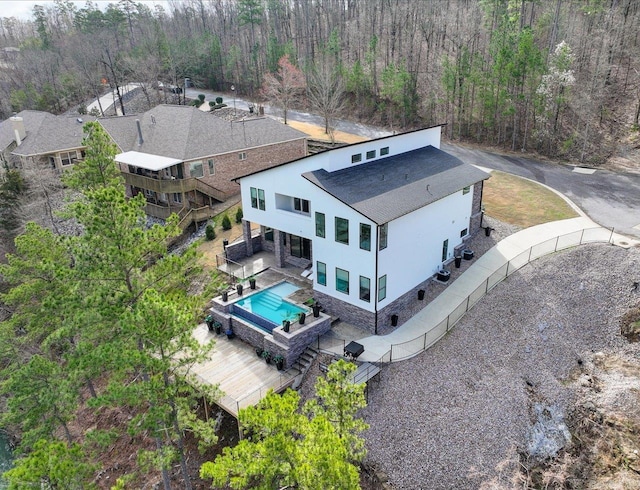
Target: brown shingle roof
[(186, 133)]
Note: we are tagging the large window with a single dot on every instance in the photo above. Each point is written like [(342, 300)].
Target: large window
[(301, 205), (300, 247), (342, 230), (268, 234), (382, 239), (321, 273), (365, 289), (365, 236), (68, 157), (257, 198), (320, 226), (382, 287), (195, 169), (342, 280)]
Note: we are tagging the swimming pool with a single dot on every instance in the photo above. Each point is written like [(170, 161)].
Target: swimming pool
[(267, 309)]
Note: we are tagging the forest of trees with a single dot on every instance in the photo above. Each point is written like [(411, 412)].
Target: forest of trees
[(560, 77)]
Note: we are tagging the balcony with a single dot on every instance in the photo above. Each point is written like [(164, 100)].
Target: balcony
[(170, 185)]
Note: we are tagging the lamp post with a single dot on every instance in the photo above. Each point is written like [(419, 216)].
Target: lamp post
[(233, 90)]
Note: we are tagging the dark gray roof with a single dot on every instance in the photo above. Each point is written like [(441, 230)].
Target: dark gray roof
[(46, 133), (187, 133), (386, 189)]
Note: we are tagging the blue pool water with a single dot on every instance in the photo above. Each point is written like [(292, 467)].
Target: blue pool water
[(269, 305)]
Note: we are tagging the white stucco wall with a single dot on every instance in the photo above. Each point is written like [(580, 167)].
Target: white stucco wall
[(415, 243)]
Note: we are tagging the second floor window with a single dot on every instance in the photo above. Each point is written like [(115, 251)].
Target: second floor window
[(382, 239), (195, 169), (301, 205), (242, 155), (320, 228), (342, 230), (257, 198), (212, 167), (365, 236)]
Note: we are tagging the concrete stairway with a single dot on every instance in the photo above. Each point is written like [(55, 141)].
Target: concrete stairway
[(303, 364)]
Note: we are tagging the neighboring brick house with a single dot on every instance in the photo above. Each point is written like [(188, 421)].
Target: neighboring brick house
[(181, 158), (41, 139), (375, 220)]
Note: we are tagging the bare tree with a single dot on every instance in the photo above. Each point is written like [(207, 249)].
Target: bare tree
[(285, 86), (326, 93)]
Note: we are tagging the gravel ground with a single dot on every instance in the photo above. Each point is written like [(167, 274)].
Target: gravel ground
[(458, 415)]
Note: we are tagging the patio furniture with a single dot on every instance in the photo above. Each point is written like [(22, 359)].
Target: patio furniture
[(353, 350)]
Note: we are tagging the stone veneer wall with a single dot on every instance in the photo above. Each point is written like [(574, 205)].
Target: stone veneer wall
[(346, 312), (406, 306), (237, 251)]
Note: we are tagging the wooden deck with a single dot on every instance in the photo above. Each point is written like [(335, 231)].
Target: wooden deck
[(241, 375)]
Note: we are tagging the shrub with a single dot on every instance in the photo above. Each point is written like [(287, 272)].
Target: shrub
[(211, 103), (239, 215), (210, 232), (201, 98), (226, 222), (197, 103), (218, 100)]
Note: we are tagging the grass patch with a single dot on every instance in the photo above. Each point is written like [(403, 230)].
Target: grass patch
[(522, 202)]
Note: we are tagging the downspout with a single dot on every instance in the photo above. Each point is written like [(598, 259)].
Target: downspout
[(375, 301)]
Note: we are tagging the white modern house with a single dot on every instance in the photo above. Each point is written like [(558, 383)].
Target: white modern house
[(374, 221)]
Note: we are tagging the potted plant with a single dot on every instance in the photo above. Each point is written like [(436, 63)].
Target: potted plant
[(229, 333), (266, 355), (259, 351), (225, 296), (301, 317), (279, 362), (316, 309), (218, 327), (239, 289), (252, 282), (209, 321)]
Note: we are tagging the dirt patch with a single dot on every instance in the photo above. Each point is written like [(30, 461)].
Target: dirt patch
[(317, 132), (605, 428)]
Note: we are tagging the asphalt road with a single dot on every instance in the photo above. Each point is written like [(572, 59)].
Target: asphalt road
[(610, 199)]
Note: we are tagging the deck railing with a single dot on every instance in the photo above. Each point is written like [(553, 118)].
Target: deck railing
[(230, 267)]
